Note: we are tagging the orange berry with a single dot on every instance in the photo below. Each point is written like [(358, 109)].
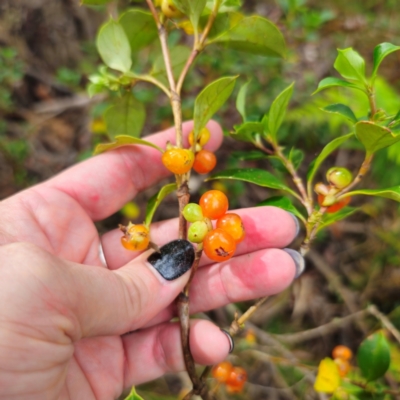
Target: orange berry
[(202, 138), (136, 238), (342, 352), (221, 371), (335, 207), (219, 245), (232, 224), (204, 162), (170, 10), (236, 380), (178, 161), (343, 366), (214, 204)]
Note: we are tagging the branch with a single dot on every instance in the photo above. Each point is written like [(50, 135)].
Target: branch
[(373, 310)]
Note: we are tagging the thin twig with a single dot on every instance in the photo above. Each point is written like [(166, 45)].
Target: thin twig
[(372, 309), (154, 81)]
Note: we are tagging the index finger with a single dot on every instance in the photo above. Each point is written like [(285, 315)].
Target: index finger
[(103, 184)]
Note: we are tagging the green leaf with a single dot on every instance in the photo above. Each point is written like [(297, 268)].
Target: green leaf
[(241, 100), (156, 200), (373, 356), (121, 141), (254, 35), (328, 149), (329, 219), (296, 156), (133, 395), (284, 203), (380, 52), (249, 155), (350, 65), (210, 100), (126, 117), (278, 111), (341, 109), (139, 27), (113, 46), (392, 193), (94, 89), (374, 137), (192, 8), (335, 82), (246, 132), (179, 55), (257, 176)]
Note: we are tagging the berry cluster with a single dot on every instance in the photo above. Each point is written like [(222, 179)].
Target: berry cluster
[(233, 377), (179, 161), (219, 244), (338, 179), (136, 237), (341, 356)]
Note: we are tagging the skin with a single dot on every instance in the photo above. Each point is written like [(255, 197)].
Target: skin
[(73, 328)]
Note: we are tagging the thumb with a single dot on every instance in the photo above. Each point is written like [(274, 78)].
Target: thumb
[(85, 301)]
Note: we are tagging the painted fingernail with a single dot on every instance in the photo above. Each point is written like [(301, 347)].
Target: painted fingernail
[(298, 260), (296, 221), (174, 259), (230, 338)]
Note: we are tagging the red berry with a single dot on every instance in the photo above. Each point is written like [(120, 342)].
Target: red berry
[(236, 380), (342, 352), (335, 207), (214, 204), (178, 161), (219, 245), (232, 224), (221, 371), (204, 162)]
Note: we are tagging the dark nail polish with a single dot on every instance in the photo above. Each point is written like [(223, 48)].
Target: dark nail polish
[(230, 338), (298, 260), (174, 259)]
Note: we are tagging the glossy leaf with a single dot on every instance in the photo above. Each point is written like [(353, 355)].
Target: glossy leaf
[(284, 203), (373, 356), (296, 156), (113, 46), (222, 23), (328, 378), (375, 137), (380, 52), (392, 193), (139, 27), (336, 82), (192, 8), (179, 55), (350, 65), (249, 155), (257, 176), (241, 100), (210, 100), (133, 395), (246, 132), (329, 219), (126, 117), (278, 111), (123, 140), (254, 35), (328, 149), (156, 200), (343, 110)]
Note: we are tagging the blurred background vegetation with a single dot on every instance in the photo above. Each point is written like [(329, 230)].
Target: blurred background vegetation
[(47, 123)]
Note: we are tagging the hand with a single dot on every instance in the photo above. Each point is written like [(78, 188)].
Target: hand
[(63, 313)]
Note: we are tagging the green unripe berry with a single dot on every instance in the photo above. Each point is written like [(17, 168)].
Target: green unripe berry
[(197, 231), (192, 212), (339, 177)]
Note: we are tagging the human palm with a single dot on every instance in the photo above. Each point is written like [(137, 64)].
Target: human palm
[(65, 316)]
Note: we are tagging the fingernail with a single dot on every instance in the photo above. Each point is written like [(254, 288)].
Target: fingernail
[(230, 338), (298, 260), (174, 259), (296, 221)]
